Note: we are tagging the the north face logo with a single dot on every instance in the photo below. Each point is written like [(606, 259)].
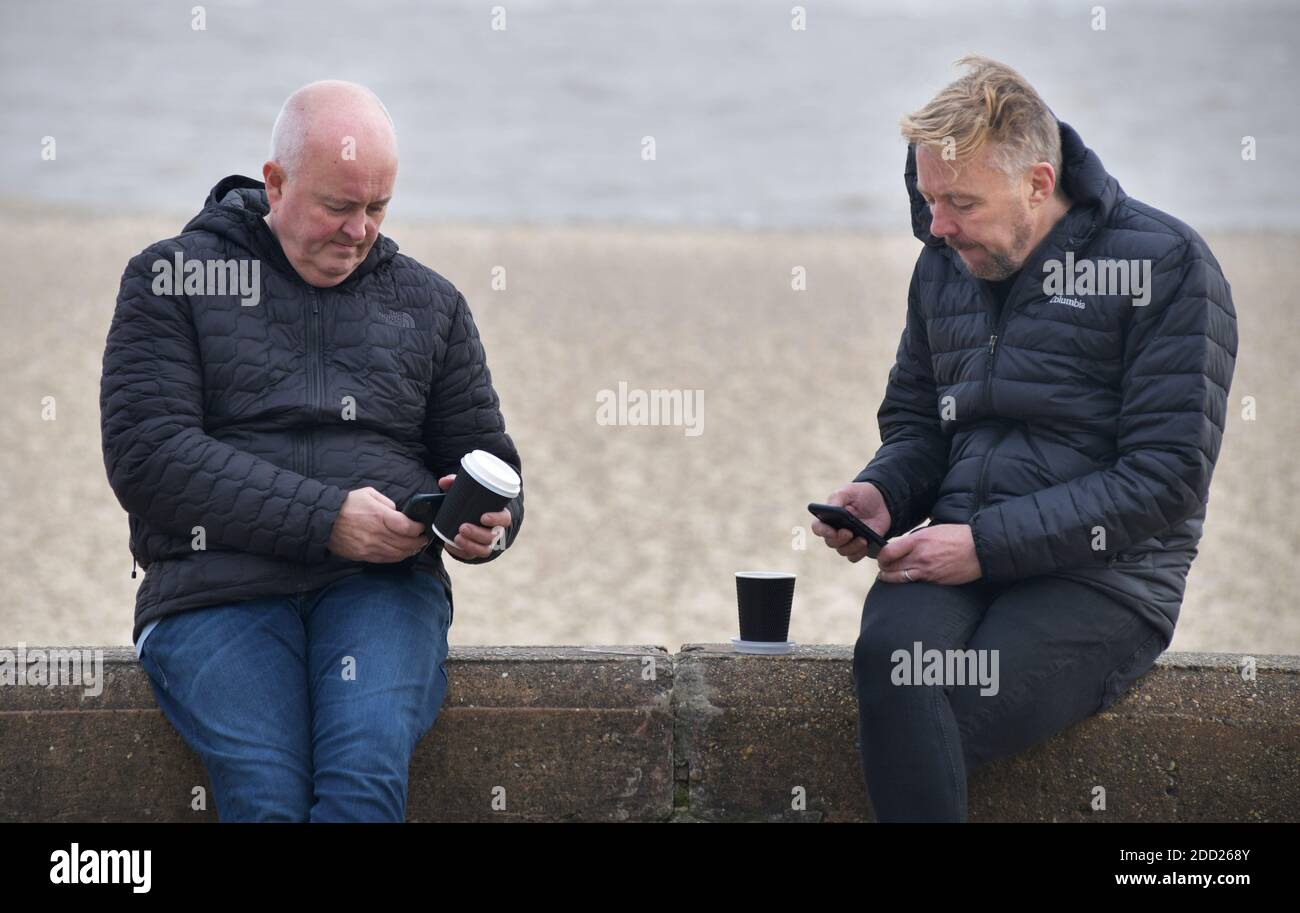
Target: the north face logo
[(397, 318)]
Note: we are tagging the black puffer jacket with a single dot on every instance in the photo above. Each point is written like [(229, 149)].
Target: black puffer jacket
[(254, 422), (1063, 423)]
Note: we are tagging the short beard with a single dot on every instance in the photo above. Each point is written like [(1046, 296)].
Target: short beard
[(1001, 266)]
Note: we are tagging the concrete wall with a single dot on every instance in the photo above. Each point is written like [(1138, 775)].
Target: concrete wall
[(639, 734)]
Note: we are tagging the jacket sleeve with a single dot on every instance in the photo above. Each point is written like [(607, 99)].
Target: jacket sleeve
[(464, 414), (162, 465), (912, 460), (1179, 353)]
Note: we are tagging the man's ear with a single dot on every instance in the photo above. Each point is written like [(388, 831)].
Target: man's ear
[(1042, 180), (273, 177)]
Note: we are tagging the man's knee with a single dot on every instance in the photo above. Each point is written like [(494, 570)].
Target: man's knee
[(874, 660), (263, 792), (371, 741), (361, 775)]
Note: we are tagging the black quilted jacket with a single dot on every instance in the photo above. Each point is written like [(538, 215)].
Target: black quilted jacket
[(1077, 442), (254, 423)]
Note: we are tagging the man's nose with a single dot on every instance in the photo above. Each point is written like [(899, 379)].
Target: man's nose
[(355, 227), (942, 224)]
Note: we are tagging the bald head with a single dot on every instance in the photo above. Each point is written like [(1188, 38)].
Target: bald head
[(330, 177), (323, 117)]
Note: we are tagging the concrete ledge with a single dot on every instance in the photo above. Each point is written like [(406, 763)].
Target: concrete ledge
[(1191, 741), (638, 734)]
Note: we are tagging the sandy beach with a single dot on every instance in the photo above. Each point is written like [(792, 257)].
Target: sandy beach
[(632, 533)]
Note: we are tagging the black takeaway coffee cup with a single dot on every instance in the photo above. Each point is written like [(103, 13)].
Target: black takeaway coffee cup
[(485, 484), (764, 599)]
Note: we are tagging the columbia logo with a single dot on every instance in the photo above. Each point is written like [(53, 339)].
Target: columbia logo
[(397, 318), (1072, 302)]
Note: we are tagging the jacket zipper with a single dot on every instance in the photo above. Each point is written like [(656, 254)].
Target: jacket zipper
[(315, 382), (980, 492), (999, 326), (998, 329), (310, 334), (313, 358), (320, 348)]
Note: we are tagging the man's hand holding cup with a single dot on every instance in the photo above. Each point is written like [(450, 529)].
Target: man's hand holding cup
[(475, 541)]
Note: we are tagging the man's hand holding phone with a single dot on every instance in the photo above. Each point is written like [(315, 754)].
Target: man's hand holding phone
[(863, 500), (370, 528)]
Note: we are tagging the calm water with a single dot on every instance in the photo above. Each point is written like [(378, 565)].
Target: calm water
[(755, 124)]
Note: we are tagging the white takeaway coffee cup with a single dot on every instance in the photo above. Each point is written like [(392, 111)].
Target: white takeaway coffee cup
[(485, 484)]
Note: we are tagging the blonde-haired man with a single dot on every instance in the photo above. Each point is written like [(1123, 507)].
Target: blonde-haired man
[(1056, 409)]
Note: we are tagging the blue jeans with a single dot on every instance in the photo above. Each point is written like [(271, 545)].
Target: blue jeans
[(308, 707), (1064, 652)]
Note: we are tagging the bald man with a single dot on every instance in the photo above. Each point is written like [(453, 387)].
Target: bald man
[(277, 380)]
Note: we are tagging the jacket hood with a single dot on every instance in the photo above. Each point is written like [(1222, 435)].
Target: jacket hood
[(1092, 191), (235, 208)]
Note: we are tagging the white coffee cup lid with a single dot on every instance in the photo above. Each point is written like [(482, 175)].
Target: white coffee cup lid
[(765, 575), (763, 647), (492, 472)]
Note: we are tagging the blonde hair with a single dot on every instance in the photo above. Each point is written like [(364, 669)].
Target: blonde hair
[(993, 104)]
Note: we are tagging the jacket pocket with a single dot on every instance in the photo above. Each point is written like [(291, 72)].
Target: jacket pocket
[(1130, 558), (1028, 431)]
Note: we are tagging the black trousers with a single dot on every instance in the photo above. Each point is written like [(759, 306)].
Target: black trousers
[(1052, 652)]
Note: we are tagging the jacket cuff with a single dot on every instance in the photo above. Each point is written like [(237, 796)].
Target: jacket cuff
[(894, 503), (995, 564), (321, 523)]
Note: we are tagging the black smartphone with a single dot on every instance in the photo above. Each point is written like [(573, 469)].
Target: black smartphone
[(422, 508), (839, 518)]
